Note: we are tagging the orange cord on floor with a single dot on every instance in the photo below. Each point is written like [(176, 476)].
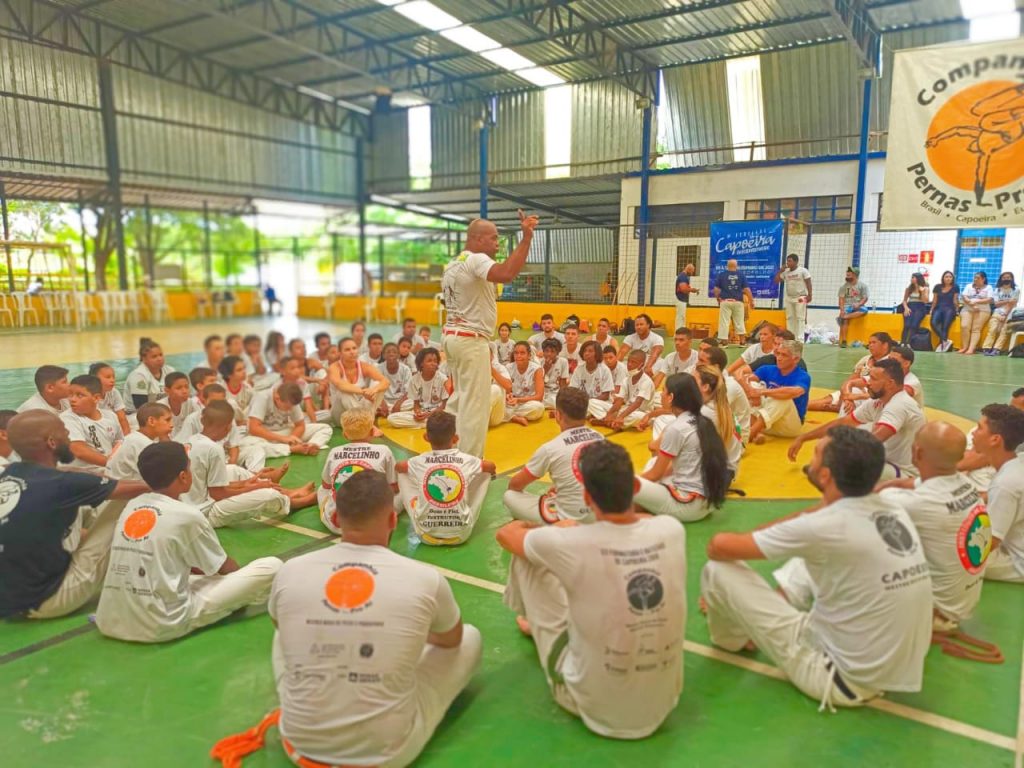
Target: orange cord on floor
[(231, 749)]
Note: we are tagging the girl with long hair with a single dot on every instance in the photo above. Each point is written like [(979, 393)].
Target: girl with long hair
[(945, 297), (976, 300), (275, 350), (146, 381), (1006, 298), (689, 474), (716, 407), (915, 306)]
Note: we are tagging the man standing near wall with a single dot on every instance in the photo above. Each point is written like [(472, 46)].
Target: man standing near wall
[(472, 313), (731, 290), (853, 297), (797, 296), (683, 291)]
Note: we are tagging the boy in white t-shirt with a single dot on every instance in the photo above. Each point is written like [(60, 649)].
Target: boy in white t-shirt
[(95, 433), (292, 372), (230, 495), (871, 623), (355, 456), (154, 427), (168, 574), (556, 370), (178, 397), (616, 367), (249, 455), (683, 360), (911, 383), (444, 488), (276, 420), (571, 348), (428, 389), (370, 649), (605, 603), (559, 458), (632, 401), (7, 454), (396, 397), (52, 390), (112, 400)]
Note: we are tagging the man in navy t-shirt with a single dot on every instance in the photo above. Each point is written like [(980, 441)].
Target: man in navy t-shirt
[(731, 289), (780, 403), (47, 568), (683, 291)]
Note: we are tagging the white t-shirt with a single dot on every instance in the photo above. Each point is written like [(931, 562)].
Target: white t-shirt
[(209, 470), (901, 414), (398, 386), (641, 388), (470, 301), (539, 338), (36, 402), (112, 401), (103, 435), (146, 595), (733, 446), (755, 351), (560, 457), (912, 386), (124, 464), (441, 508), (1006, 510), (273, 418), (872, 610), (193, 425), (953, 524), (178, 419), (503, 350), (619, 374), (430, 394), (344, 461), (241, 400), (417, 341), (626, 590), (409, 361), (672, 364), (559, 371), (352, 622), (680, 443), (142, 383), (595, 383), (738, 404), (653, 341), (522, 382), (794, 280), (573, 357)]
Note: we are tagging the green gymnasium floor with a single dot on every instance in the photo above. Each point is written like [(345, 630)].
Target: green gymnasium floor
[(74, 698)]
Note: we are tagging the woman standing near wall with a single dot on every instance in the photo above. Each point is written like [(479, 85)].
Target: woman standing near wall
[(915, 306), (1006, 297), (976, 300), (944, 303)]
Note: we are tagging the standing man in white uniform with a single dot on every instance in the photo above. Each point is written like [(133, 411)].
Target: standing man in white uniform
[(797, 296), (472, 313), (871, 624)]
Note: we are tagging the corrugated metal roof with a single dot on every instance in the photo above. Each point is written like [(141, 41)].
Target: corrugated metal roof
[(697, 100)]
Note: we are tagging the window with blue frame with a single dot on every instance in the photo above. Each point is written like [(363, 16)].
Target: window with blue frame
[(979, 250), (828, 213)]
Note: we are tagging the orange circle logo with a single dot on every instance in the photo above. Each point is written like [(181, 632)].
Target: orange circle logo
[(976, 140), (139, 523), (349, 588)]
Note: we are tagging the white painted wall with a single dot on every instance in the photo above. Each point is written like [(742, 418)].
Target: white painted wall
[(881, 268)]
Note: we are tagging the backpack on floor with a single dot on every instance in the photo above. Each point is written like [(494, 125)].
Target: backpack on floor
[(628, 326), (1018, 351), (921, 340)]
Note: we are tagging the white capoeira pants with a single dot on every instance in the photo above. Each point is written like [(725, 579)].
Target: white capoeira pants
[(730, 311), (252, 456), (531, 411), (264, 502), (1002, 567), (549, 399), (315, 434), (780, 417), (796, 316), (659, 499), (346, 401), (680, 314), (742, 607), (404, 419), (441, 675), (534, 592), (599, 409), (215, 597), (531, 507), (89, 558), (497, 412), (469, 365)]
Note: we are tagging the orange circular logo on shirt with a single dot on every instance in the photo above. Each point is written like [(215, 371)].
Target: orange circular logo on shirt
[(139, 523), (349, 588), (975, 138)]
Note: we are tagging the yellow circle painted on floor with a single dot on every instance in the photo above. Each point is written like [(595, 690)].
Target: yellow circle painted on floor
[(765, 471)]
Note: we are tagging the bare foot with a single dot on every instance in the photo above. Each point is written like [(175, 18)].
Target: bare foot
[(375, 432), (306, 449), (302, 498), (524, 626), (702, 604), (520, 420), (757, 440), (275, 475)]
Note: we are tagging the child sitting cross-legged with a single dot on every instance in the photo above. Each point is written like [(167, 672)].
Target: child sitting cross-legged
[(428, 391), (276, 420), (248, 454), (632, 401)]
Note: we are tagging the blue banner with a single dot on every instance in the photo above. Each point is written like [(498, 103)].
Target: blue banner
[(757, 248)]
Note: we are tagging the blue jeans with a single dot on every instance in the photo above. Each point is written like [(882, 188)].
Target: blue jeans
[(912, 322), (942, 319)]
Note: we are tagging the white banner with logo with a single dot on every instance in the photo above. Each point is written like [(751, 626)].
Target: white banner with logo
[(956, 138)]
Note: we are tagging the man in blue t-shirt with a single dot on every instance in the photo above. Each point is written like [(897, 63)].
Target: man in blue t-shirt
[(683, 291), (778, 394), (731, 290)]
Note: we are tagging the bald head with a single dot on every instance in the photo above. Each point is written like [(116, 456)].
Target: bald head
[(731, 265), (939, 447), (482, 237), (40, 437)]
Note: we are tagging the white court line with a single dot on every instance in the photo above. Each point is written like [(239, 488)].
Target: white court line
[(939, 722)]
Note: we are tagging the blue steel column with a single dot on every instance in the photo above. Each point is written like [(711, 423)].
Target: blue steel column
[(484, 131), (361, 202), (643, 214), (862, 170), (108, 116)]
